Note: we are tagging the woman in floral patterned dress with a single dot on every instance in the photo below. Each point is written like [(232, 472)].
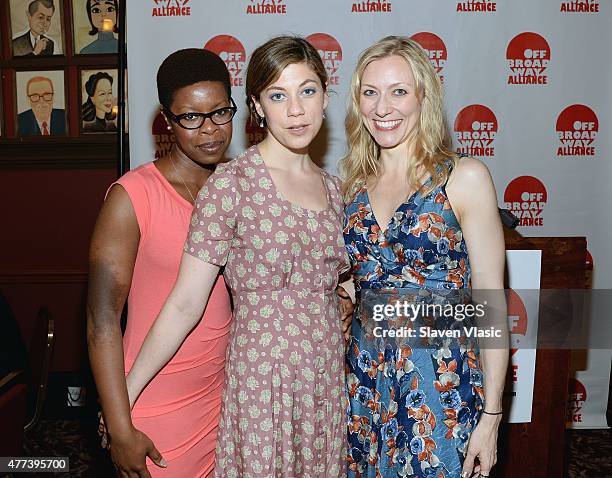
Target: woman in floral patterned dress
[(418, 407), (273, 219)]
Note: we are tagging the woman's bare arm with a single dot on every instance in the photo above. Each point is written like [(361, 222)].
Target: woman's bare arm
[(179, 315), (472, 195), (112, 256)]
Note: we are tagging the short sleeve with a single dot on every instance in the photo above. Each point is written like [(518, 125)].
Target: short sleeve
[(337, 184), (336, 196), (135, 185), (213, 223)]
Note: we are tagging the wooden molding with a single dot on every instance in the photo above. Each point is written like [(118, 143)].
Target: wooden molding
[(61, 153), (51, 276)]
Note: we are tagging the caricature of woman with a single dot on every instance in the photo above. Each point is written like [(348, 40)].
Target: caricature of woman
[(98, 116), (102, 16)]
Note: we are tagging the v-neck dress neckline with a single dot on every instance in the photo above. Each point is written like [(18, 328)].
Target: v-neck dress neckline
[(399, 208)]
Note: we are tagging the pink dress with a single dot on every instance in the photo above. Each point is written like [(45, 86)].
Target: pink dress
[(283, 411), (179, 410)]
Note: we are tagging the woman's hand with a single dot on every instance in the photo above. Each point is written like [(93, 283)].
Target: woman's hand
[(347, 310), (129, 452), (482, 445)]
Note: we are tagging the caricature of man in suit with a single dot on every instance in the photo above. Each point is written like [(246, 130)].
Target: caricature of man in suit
[(42, 118), (34, 42)]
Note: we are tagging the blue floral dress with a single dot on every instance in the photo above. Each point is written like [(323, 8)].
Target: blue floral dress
[(413, 401)]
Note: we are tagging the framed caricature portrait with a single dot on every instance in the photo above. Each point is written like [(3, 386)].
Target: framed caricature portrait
[(41, 103), (36, 28), (99, 101), (95, 26)]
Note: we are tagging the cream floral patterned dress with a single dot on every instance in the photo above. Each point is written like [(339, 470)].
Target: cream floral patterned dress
[(284, 404)]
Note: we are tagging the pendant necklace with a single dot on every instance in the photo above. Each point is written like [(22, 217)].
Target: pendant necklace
[(182, 180)]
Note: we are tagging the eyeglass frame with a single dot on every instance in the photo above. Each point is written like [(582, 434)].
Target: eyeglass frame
[(40, 97), (204, 116)]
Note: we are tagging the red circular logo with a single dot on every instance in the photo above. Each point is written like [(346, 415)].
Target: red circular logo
[(517, 313), (475, 129), (576, 390), (528, 56), (162, 135), (526, 197), (517, 318), (576, 396), (232, 52), (577, 126), (331, 53), (435, 48)]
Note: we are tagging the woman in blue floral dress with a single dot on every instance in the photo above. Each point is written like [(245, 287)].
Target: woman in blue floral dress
[(419, 407)]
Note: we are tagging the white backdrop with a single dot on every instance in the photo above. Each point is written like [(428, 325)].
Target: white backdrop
[(524, 268), (513, 71)]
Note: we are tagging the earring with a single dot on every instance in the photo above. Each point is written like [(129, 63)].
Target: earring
[(324, 116), (168, 127), (262, 122)]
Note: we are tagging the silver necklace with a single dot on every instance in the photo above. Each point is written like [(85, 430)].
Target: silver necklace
[(182, 180)]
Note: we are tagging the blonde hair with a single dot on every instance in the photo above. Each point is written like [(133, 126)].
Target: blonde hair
[(430, 136)]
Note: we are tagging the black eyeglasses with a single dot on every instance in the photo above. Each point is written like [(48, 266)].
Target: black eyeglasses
[(196, 120), (45, 96)]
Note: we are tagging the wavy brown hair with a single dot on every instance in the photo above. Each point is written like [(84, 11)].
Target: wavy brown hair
[(430, 137), (270, 59)]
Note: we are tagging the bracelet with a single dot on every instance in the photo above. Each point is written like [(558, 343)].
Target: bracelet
[(489, 413)]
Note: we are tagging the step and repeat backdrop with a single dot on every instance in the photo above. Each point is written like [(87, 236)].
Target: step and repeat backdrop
[(527, 91)]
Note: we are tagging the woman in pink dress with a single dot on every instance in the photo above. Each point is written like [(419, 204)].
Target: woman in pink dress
[(272, 218), (135, 254)]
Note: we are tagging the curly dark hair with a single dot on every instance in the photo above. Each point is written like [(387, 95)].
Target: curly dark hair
[(89, 109), (186, 67)]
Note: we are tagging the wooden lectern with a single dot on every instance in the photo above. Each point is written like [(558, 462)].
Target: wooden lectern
[(537, 449)]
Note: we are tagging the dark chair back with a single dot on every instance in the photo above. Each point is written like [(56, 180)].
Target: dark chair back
[(13, 400), (41, 352)]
